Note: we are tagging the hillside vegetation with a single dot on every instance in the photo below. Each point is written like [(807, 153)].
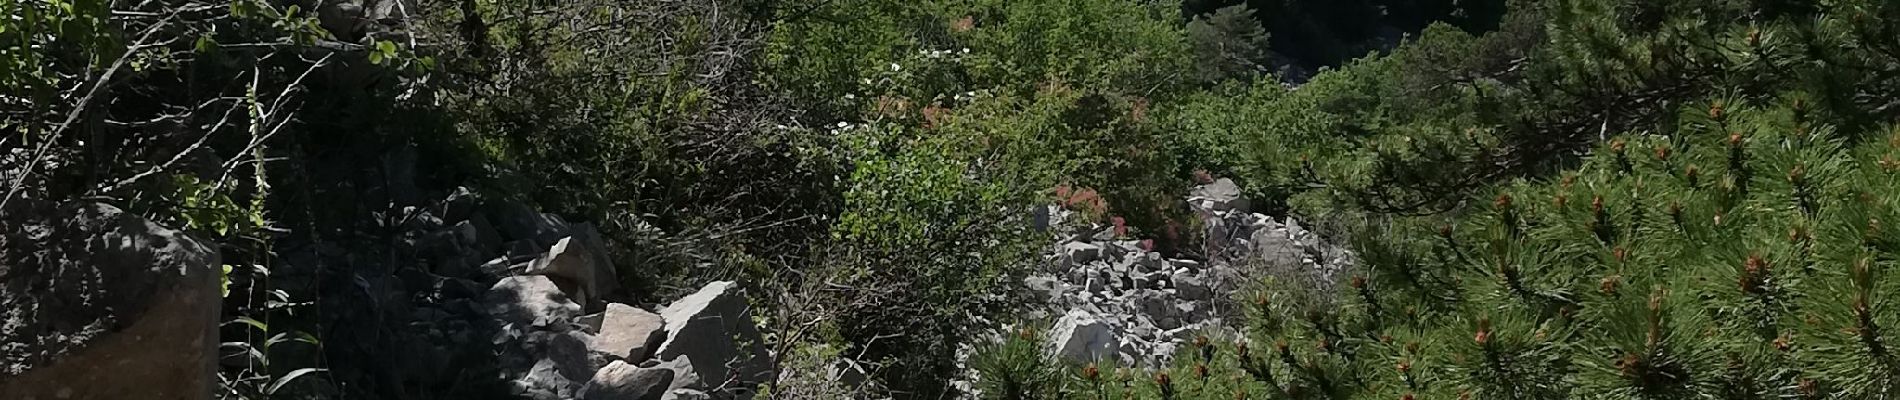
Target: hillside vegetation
[(1563, 199)]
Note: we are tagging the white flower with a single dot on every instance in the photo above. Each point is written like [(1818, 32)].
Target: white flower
[(895, 67)]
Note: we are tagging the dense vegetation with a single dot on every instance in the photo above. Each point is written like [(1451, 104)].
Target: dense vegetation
[(1550, 199)]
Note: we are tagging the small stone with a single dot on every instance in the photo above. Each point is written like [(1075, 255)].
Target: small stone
[(1150, 262)]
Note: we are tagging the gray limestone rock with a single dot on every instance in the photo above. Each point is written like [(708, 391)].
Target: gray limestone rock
[(87, 290), (529, 301), (560, 368), (1081, 337), (579, 261), (1221, 195), (714, 327), (625, 332), (1079, 253), (622, 381), (1191, 286)]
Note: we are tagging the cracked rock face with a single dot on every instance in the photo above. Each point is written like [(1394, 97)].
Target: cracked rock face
[(88, 288), (714, 326)]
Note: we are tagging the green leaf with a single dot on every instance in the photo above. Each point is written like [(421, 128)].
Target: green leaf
[(224, 282), (292, 376), (206, 44), (254, 323)]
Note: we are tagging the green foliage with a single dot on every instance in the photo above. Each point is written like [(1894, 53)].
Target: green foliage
[(1228, 44), (923, 205), (649, 120), (1319, 33), (1017, 367)]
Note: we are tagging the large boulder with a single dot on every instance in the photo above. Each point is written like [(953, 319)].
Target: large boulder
[(622, 381), (1081, 337), (625, 332), (97, 303), (714, 327), (529, 301)]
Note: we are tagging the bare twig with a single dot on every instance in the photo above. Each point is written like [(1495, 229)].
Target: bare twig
[(39, 154)]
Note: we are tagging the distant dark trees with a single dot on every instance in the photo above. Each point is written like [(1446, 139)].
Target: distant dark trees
[(1316, 33)]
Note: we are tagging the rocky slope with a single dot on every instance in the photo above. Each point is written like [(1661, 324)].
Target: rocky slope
[(1113, 300), (551, 313)]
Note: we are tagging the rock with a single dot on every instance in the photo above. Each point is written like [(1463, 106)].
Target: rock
[(500, 267), (480, 236), (1121, 248), (1153, 303), (529, 301), (560, 364), (1039, 218), (443, 250), (1150, 261), (1082, 253), (97, 303), (686, 394), (460, 205), (1047, 287), (1222, 195), (518, 222), (454, 288), (714, 327), (578, 261), (1095, 283), (1189, 264), (683, 375), (1082, 337), (1260, 221), (419, 220), (622, 381), (625, 332), (523, 249), (1163, 353), (1275, 249), (1191, 286)]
